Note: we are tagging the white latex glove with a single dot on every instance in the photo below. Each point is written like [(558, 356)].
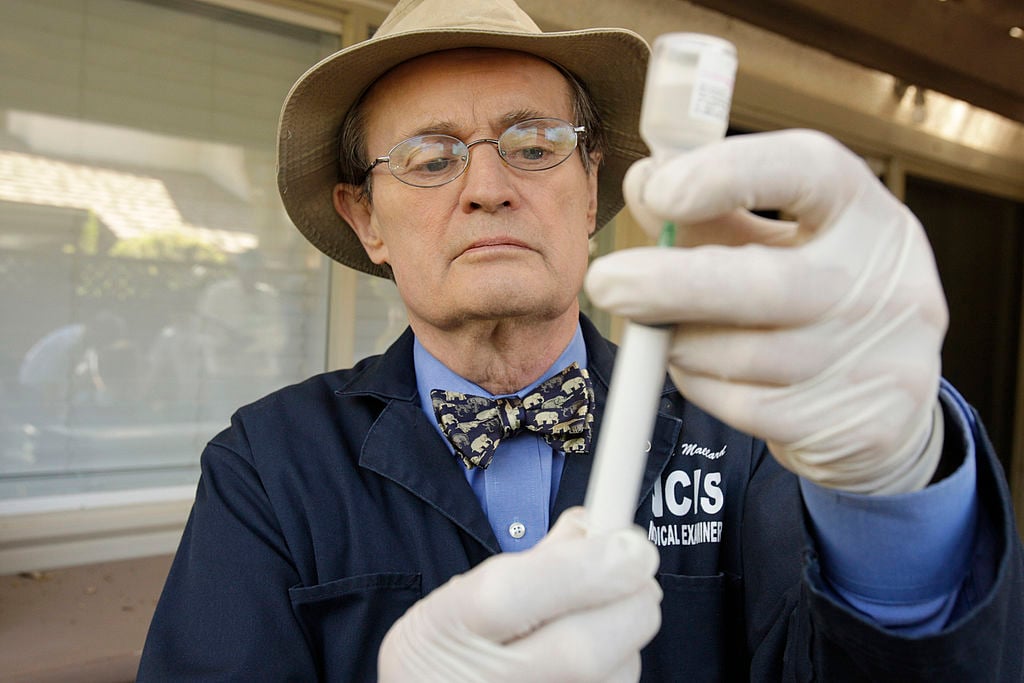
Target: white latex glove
[(821, 335), (574, 607)]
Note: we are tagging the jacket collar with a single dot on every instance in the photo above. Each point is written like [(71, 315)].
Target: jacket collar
[(390, 376), (404, 446)]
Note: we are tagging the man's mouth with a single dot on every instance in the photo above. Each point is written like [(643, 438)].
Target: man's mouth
[(495, 244)]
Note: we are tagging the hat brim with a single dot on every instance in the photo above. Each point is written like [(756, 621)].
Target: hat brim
[(610, 62)]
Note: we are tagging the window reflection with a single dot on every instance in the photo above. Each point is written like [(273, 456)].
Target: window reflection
[(150, 281), (147, 293)]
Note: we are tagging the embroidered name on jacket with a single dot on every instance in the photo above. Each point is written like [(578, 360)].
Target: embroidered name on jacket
[(695, 449), (683, 501)]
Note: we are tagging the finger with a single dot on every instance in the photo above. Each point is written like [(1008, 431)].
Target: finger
[(749, 285), (805, 173), (869, 246), (632, 187), (871, 334), (738, 228), (781, 414), (593, 644), (510, 595), (571, 524), (770, 356), (733, 228)]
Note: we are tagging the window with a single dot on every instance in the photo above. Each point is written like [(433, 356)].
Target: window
[(150, 281)]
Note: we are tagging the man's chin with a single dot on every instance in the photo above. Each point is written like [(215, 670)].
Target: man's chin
[(523, 308)]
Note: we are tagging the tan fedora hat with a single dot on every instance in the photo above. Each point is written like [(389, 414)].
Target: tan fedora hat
[(611, 63)]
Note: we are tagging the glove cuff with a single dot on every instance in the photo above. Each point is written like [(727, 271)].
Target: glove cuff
[(920, 469)]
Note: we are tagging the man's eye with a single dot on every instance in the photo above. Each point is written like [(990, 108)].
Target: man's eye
[(435, 165), (532, 153), (529, 155)]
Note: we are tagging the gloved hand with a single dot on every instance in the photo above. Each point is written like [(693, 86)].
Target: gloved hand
[(574, 607), (820, 335)]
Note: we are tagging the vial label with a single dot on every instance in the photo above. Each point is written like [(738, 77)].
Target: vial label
[(712, 91)]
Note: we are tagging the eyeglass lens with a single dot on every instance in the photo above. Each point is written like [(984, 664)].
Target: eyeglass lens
[(432, 160)]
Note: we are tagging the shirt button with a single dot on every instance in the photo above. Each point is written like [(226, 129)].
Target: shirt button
[(516, 529)]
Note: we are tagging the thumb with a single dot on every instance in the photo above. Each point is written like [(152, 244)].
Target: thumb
[(568, 571), (633, 190)]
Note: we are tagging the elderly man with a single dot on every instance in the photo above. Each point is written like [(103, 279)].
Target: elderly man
[(353, 527)]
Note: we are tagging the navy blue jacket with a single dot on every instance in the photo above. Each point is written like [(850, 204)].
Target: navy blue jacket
[(331, 506)]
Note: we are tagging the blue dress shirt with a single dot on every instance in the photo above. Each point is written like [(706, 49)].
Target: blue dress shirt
[(517, 489)]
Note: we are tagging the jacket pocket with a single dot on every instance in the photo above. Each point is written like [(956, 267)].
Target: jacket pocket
[(345, 620), (701, 636)]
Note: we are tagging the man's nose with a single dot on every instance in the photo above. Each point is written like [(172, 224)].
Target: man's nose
[(487, 179)]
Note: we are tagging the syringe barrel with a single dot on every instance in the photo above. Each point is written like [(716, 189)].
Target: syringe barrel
[(632, 407)]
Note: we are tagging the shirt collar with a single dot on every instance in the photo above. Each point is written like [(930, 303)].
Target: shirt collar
[(433, 374)]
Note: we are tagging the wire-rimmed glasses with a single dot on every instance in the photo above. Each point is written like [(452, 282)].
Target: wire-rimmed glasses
[(435, 159)]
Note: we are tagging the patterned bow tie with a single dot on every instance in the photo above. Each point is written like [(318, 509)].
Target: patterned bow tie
[(561, 409)]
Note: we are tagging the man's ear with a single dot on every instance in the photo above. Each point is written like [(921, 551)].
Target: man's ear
[(352, 205)]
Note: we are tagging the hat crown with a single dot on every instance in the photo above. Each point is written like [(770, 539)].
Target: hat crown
[(503, 16)]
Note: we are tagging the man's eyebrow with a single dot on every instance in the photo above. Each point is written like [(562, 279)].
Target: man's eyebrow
[(450, 127), (435, 127), (517, 115)]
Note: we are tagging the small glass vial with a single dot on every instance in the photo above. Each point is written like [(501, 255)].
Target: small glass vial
[(688, 92)]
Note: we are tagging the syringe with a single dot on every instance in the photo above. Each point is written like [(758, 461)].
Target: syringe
[(686, 103)]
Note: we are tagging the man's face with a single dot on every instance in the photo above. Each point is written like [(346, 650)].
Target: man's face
[(497, 242)]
